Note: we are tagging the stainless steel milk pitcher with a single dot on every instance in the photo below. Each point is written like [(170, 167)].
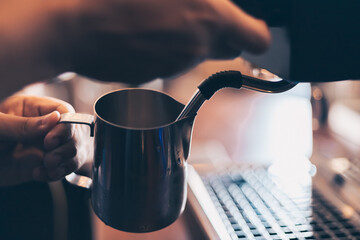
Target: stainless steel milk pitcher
[(139, 172), (142, 141)]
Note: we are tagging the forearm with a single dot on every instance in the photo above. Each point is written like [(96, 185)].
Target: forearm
[(131, 41)]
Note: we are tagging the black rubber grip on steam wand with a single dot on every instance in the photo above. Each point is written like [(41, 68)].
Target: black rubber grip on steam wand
[(219, 80)]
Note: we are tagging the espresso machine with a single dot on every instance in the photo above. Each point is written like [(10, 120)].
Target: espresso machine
[(252, 202)]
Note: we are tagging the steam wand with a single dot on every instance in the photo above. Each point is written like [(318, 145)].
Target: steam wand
[(232, 79)]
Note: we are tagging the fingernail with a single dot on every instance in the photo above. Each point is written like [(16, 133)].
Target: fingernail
[(48, 119)]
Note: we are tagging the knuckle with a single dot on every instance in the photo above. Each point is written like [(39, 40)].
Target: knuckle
[(72, 165), (72, 150), (62, 132), (24, 128), (50, 161)]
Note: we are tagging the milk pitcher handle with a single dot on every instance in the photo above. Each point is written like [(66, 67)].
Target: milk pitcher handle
[(79, 180), (79, 118)]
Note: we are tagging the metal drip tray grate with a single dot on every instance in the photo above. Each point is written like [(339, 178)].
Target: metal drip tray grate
[(253, 206)]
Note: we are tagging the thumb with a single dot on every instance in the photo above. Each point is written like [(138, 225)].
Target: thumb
[(16, 128)]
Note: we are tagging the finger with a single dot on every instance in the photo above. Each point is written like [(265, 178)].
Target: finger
[(62, 170), (27, 157), (58, 163), (45, 174), (224, 49), (40, 174), (33, 106), (57, 136), (26, 128), (53, 104), (55, 158), (246, 32)]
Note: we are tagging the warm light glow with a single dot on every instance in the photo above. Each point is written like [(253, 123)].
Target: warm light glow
[(317, 94), (347, 211), (340, 165)]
